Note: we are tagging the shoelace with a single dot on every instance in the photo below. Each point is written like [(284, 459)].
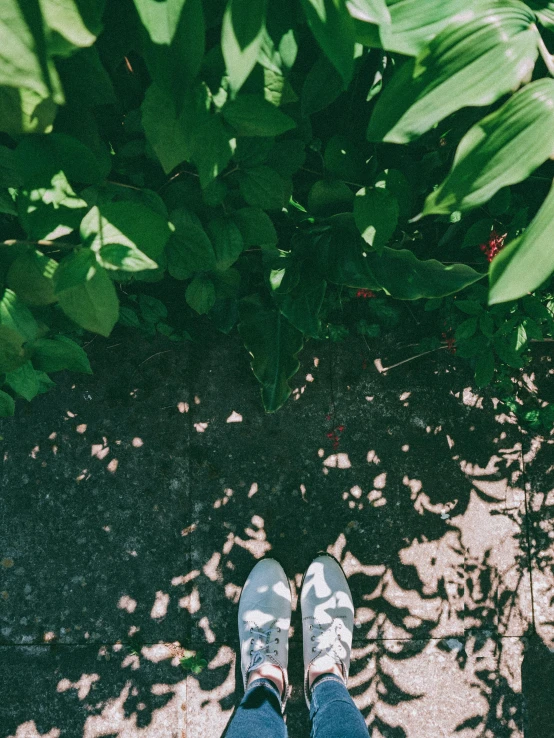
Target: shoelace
[(261, 639), (327, 638)]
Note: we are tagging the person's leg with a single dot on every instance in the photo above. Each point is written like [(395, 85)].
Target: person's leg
[(333, 713), (263, 621), (259, 713), (327, 626)]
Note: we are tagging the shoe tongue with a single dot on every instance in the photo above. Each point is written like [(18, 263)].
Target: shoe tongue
[(257, 659), (324, 662)]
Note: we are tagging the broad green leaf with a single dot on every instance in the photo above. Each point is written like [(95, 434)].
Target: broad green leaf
[(54, 355), (12, 354), (173, 43), (406, 277), (255, 226), (7, 205), (329, 196), (50, 211), (467, 328), (152, 309), (393, 181), (333, 29), (85, 79), (252, 151), (376, 215), (172, 135), (322, 86), (86, 293), (227, 241), (7, 404), (477, 233), (544, 10), (502, 149), (211, 151), (251, 115), (528, 261), (481, 55), (286, 157), (369, 11), (10, 175), (24, 381), (200, 294), (25, 111), (484, 368), (342, 260), (242, 34), (263, 188), (41, 157), (125, 235), (507, 353), (469, 307), (273, 344), (71, 24), (189, 250), (302, 304), (413, 23), (16, 316), (277, 89), (24, 58), (30, 276)]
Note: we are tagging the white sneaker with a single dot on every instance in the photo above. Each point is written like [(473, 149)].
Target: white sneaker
[(327, 618), (264, 620)]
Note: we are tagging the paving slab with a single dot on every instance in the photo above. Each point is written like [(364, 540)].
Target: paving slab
[(94, 480), (405, 689), (91, 691)]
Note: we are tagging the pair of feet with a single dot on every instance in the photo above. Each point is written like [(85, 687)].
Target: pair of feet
[(264, 620)]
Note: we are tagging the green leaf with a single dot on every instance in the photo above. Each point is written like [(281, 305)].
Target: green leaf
[(333, 29), (200, 294), (486, 325), (152, 309), (481, 55), (30, 276), (251, 115), (507, 353), (86, 293), (395, 182), (24, 381), (406, 277), (341, 259), (329, 196), (10, 175), (211, 149), (242, 35), (413, 24), (227, 241), (376, 214), (255, 226), (54, 355), (25, 111), (51, 210), (273, 344), (41, 157), (173, 43), (286, 157), (7, 405), (527, 262), (125, 235), (500, 203), (7, 205), (470, 307), (322, 86), (521, 338), (369, 11), (17, 317), (263, 188), (302, 304), (466, 329), (189, 250), (477, 234), (12, 354), (484, 368), (502, 149), (71, 24), (24, 58)]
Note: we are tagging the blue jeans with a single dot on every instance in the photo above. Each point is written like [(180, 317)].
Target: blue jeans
[(333, 713)]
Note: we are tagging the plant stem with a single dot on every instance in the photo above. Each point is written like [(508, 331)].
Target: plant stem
[(405, 361), (43, 244), (322, 174)]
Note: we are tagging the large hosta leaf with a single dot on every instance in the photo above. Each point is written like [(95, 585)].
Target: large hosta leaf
[(502, 149), (480, 56), (273, 344), (333, 29), (241, 38), (525, 263)]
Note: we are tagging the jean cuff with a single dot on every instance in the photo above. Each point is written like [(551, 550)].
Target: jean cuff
[(326, 678), (262, 682)]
